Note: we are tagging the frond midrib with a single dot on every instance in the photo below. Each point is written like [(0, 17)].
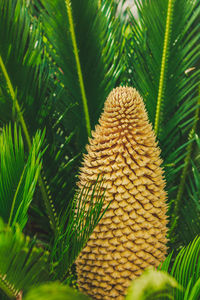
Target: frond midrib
[(163, 69)]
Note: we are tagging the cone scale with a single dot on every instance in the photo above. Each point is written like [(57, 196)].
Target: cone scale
[(131, 236)]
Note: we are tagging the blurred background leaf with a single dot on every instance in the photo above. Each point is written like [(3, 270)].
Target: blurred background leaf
[(54, 291), (152, 284)]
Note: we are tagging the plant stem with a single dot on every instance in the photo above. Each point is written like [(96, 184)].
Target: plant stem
[(163, 65), (78, 65), (49, 206)]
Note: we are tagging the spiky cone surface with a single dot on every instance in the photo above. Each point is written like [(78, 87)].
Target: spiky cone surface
[(131, 236)]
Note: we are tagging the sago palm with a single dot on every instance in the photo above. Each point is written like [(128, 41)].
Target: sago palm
[(59, 60)]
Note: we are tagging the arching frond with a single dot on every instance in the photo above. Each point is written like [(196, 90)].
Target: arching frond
[(24, 74), (186, 270), (18, 175), (22, 53), (87, 59), (189, 224)]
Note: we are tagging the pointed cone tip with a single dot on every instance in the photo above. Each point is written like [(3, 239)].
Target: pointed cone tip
[(123, 97)]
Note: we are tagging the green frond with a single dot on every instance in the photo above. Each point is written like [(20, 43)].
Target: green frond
[(18, 174), (59, 175), (84, 213), (189, 223), (171, 75), (22, 53), (98, 38), (54, 291), (186, 271), (185, 170), (194, 293), (144, 62), (22, 264)]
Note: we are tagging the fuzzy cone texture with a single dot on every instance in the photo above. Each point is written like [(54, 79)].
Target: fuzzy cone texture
[(131, 236)]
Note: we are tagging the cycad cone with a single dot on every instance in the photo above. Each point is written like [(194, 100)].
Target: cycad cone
[(131, 236)]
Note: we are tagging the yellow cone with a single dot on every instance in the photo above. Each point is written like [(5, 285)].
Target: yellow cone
[(132, 234)]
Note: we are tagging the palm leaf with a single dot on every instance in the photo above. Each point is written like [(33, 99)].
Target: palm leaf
[(27, 91), (186, 270), (22, 54), (24, 266), (66, 130), (190, 221), (162, 46), (18, 175), (84, 45)]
